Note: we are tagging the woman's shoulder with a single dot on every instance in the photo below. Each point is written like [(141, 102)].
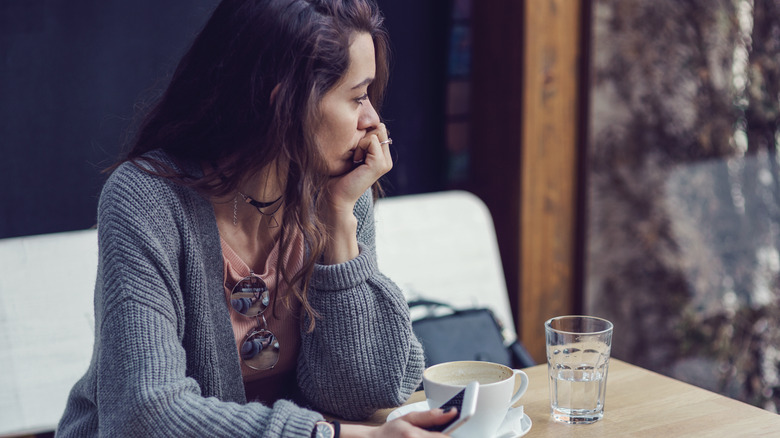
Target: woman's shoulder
[(142, 176), (142, 170), (135, 188)]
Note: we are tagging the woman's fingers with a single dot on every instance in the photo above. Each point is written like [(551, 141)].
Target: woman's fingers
[(371, 159), (367, 146), (433, 417), (381, 132), (377, 154), (411, 425), (359, 156)]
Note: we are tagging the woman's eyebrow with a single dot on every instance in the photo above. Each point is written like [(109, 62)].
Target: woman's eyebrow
[(366, 81)]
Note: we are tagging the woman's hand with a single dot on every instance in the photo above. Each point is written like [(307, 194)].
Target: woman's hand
[(372, 160), (408, 426)]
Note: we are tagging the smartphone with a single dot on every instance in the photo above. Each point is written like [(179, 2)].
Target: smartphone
[(465, 402)]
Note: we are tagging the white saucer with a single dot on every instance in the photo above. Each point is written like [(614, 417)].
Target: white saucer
[(505, 431)]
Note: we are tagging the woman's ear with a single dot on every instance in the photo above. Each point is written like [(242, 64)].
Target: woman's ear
[(274, 92)]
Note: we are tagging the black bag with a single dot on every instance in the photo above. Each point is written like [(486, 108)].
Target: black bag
[(466, 334)]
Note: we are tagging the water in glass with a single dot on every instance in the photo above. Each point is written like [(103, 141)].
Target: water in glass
[(577, 395)]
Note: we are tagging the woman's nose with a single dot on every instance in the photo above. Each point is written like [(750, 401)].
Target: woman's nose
[(369, 119)]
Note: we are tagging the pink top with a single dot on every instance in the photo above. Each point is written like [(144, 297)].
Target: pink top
[(268, 385)]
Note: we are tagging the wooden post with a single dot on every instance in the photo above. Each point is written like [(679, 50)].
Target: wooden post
[(549, 165), (524, 142)]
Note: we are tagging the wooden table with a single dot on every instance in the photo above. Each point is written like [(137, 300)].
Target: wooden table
[(641, 403)]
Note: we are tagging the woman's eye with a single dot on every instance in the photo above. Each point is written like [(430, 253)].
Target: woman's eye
[(362, 98)]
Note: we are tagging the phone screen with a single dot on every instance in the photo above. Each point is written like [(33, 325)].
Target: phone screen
[(465, 402), (454, 402)]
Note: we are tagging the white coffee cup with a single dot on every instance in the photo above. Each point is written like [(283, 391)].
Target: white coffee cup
[(496, 392)]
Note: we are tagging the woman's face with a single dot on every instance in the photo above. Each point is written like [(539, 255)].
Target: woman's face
[(347, 114)]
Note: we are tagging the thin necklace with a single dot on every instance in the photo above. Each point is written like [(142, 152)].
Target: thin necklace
[(273, 223)]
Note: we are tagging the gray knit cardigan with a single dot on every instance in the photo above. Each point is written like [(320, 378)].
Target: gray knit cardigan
[(165, 361)]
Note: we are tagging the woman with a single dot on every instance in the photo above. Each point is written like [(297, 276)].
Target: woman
[(237, 268)]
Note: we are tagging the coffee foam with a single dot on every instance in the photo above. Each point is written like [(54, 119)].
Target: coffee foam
[(461, 374)]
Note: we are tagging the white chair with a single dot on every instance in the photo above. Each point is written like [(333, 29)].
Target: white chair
[(442, 247), (46, 325)]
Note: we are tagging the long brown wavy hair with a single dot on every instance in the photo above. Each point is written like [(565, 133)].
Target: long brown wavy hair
[(218, 107)]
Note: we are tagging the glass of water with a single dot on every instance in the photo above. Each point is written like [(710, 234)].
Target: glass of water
[(578, 349)]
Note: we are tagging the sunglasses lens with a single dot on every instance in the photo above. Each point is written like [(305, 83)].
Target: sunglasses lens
[(260, 350), (250, 296)]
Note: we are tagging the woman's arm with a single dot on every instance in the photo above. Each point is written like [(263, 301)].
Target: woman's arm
[(362, 354), (340, 211)]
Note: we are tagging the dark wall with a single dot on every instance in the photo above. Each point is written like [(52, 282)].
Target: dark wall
[(72, 73), (70, 77), (414, 107)]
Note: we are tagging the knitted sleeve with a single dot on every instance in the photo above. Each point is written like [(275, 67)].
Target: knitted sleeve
[(362, 354), (140, 380)]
